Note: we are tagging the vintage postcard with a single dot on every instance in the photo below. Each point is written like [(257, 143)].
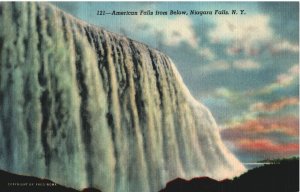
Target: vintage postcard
[(149, 96)]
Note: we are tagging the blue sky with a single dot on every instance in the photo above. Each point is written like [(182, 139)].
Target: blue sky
[(245, 68)]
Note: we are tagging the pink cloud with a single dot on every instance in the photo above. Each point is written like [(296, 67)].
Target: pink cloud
[(265, 136), (275, 106), (285, 125), (289, 77), (267, 146)]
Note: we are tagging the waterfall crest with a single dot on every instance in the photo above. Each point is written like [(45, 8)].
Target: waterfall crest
[(86, 107)]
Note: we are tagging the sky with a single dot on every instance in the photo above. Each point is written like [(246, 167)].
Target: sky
[(243, 67)]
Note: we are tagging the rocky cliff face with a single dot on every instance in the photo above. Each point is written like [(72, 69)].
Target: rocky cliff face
[(89, 108)]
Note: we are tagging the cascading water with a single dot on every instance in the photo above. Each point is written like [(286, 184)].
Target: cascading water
[(86, 107)]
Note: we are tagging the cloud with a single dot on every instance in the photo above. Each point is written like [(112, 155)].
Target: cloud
[(244, 34), (266, 146), (252, 28), (173, 30), (294, 70), (254, 128), (288, 77), (207, 53), (274, 99), (272, 136), (222, 65), (284, 45), (282, 81), (224, 92), (219, 65), (275, 106), (285, 18), (250, 35), (246, 64)]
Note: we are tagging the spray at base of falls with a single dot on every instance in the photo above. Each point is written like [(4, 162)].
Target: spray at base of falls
[(88, 108)]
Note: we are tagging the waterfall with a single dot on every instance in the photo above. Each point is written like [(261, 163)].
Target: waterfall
[(85, 107)]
